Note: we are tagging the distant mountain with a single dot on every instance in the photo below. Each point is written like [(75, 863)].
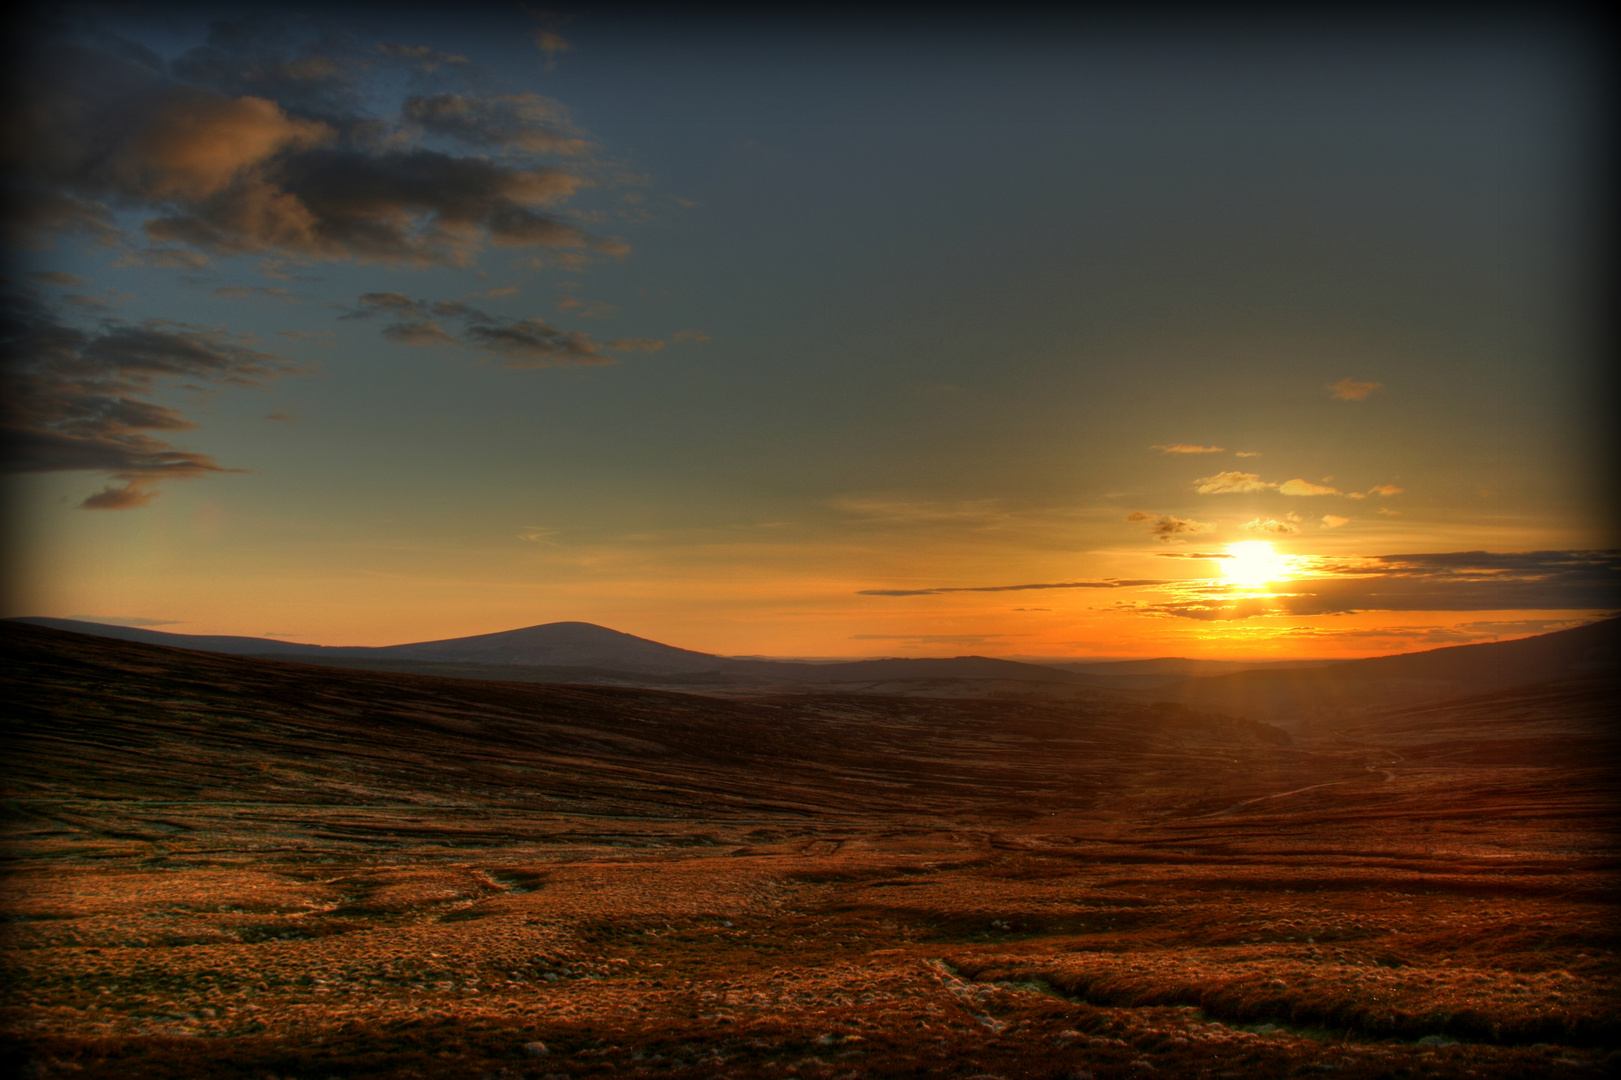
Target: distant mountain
[(560, 644), (1298, 697), (1293, 696), (585, 652)]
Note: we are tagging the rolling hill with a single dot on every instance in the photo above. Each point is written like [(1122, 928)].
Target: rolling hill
[(585, 652), (1301, 697), (1295, 696)]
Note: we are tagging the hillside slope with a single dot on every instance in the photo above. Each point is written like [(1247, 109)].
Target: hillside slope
[(1299, 697)]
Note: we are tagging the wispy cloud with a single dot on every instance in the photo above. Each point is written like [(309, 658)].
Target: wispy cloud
[(249, 292), (1166, 527), (524, 342), (585, 309), (1231, 483), (76, 399), (1463, 581), (1352, 390), (1186, 448), (121, 620), (506, 121), (61, 279), (425, 58), (1447, 581), (1334, 521), (1305, 487), (1290, 524), (1106, 583), (896, 511)]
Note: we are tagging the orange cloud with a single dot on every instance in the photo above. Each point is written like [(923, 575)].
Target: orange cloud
[(137, 492), (1231, 483), (192, 143), (1186, 448), (1273, 525), (1377, 489), (1305, 487), (1351, 390)]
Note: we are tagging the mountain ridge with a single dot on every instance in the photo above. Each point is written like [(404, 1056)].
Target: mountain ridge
[(1294, 696)]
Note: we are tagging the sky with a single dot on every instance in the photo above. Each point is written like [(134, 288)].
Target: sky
[(815, 335)]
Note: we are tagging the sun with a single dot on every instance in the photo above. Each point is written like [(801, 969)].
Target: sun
[(1253, 562)]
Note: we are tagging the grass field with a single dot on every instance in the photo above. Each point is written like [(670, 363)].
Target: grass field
[(237, 868)]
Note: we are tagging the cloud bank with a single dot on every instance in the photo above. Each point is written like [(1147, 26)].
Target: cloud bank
[(233, 148), (270, 140), (80, 400)]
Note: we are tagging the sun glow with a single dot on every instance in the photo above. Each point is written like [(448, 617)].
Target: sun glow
[(1253, 562)]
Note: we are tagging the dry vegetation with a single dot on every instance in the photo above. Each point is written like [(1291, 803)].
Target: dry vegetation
[(237, 868)]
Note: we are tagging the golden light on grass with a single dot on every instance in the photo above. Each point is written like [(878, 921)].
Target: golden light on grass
[(1254, 563)]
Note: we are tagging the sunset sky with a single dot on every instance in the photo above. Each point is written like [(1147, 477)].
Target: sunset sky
[(810, 336)]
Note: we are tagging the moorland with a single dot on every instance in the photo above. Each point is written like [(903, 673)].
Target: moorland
[(234, 866)]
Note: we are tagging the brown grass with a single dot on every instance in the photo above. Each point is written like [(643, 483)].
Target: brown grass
[(230, 868)]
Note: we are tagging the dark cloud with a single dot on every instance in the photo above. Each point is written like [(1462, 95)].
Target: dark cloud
[(418, 332), (61, 279), (385, 303), (536, 343), (248, 292), (86, 303), (1464, 581), (258, 141), (253, 144), (524, 342), (521, 121), (75, 398), (257, 55), (426, 59), (1108, 583)]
